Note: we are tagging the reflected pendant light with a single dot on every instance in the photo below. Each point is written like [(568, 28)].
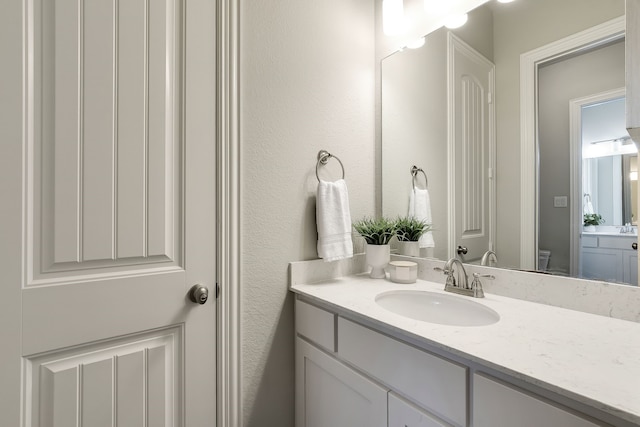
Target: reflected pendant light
[(455, 21), (392, 17)]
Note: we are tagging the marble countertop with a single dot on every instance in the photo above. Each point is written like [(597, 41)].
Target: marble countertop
[(591, 359)]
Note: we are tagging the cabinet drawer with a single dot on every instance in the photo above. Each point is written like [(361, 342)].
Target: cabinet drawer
[(316, 324), (616, 242), (589, 241), (434, 383), (498, 405), (404, 414)]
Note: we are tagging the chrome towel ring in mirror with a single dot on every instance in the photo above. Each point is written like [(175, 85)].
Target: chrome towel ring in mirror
[(323, 158), (414, 173)]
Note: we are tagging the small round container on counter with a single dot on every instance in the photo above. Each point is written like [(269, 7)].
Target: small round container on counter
[(403, 271)]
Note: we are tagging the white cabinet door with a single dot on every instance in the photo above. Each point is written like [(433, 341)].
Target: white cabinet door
[(404, 414), (630, 263), (107, 171), (498, 405), (602, 264), (329, 394)]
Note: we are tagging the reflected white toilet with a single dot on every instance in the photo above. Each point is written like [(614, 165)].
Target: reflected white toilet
[(543, 259)]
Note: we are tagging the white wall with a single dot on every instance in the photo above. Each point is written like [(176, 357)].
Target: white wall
[(307, 83)]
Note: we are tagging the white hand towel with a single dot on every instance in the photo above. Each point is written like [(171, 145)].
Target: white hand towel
[(587, 206), (333, 219), (420, 208)]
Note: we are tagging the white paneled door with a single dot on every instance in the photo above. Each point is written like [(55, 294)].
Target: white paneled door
[(107, 171), (472, 118)]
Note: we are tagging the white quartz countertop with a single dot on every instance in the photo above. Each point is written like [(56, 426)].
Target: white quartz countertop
[(591, 359)]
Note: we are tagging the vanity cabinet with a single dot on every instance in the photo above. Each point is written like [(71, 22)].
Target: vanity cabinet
[(498, 405), (436, 384), (330, 392), (405, 414), (348, 374)]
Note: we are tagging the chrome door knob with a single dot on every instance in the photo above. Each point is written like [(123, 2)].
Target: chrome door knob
[(462, 250), (199, 294), (634, 246)]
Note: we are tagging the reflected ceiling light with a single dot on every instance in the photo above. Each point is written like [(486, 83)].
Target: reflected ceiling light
[(418, 43), (435, 7), (392, 17), (455, 21), (633, 176)]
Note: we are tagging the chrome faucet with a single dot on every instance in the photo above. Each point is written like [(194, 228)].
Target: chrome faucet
[(627, 228), (462, 281), (486, 256), (459, 283)]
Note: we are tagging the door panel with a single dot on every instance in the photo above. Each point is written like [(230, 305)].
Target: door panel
[(113, 149), (129, 380), (471, 86), (106, 94)]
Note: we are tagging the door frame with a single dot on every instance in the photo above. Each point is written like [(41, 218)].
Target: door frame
[(229, 391), (529, 63)]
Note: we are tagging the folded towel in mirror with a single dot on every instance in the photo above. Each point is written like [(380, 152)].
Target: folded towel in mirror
[(420, 208)]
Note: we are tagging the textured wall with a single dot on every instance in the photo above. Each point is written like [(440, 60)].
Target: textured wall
[(307, 83)]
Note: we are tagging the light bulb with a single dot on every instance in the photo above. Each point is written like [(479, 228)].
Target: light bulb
[(505, 1), (392, 17), (418, 43), (435, 7), (455, 21)]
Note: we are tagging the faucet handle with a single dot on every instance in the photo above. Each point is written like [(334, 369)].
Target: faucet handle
[(451, 281), (476, 285), (443, 270)]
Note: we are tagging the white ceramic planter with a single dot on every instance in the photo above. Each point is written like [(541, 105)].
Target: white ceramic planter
[(409, 248), (590, 228), (377, 257)]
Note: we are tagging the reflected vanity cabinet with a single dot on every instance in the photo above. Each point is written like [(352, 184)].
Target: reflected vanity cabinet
[(610, 258), (350, 375)]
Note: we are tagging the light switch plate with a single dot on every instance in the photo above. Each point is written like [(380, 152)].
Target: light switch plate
[(560, 201)]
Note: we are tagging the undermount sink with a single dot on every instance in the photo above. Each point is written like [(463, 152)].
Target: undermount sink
[(437, 308)]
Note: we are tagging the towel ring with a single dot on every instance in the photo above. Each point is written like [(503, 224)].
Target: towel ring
[(323, 158), (414, 173)]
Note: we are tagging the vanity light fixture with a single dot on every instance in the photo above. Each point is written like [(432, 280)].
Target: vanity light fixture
[(418, 43), (455, 21), (393, 17), (505, 1), (435, 7)]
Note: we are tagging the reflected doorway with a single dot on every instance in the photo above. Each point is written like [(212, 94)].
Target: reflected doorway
[(606, 183)]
